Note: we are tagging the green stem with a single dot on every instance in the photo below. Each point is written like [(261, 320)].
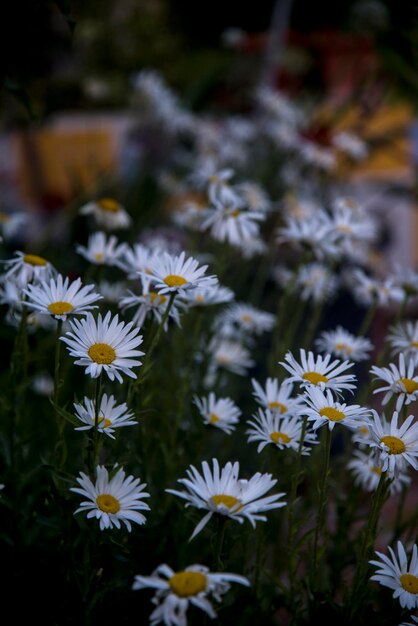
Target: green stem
[(368, 537), (147, 360), (368, 319), (220, 536), (322, 499), (291, 528), (95, 437)]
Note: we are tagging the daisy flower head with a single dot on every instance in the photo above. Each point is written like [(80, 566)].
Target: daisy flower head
[(217, 294), (247, 318), (396, 445), (401, 381), (104, 345), (230, 355), (60, 299), (150, 303), (108, 213), (110, 415), (28, 268), (322, 409), (232, 223), (311, 233), (315, 281), (11, 223), (136, 259), (176, 590), (276, 397), (399, 572), (369, 290), (319, 371), (344, 345), (407, 279), (269, 427), (222, 413), (221, 491), (102, 250), (112, 500), (403, 337), (367, 470), (176, 274)]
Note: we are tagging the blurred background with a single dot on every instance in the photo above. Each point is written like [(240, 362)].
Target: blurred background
[(68, 72)]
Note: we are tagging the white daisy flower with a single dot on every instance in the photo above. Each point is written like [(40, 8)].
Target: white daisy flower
[(108, 213), (232, 223), (102, 250), (315, 281), (230, 355), (222, 413), (206, 297), (247, 318), (344, 344), (368, 290), (367, 469), (399, 575), (276, 397), (407, 279), (112, 500), (110, 415), (322, 409), (269, 427), (149, 303), (112, 292), (27, 268), (176, 590), (318, 370), (136, 260), (104, 345), (402, 381), (59, 298), (313, 233), (222, 492), (254, 196), (397, 446), (11, 223), (403, 338), (176, 274)]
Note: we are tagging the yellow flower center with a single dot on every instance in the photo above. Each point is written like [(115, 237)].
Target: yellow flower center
[(156, 298), (315, 377), (277, 436), (34, 259), (409, 582), (345, 229), (343, 347), (99, 256), (376, 470), (213, 418), (395, 445), (59, 308), (409, 384), (107, 503), (172, 280), (334, 415), (107, 204), (364, 430), (233, 504), (235, 213), (104, 422), (246, 318), (277, 405), (200, 299), (414, 344), (102, 353), (185, 584)]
